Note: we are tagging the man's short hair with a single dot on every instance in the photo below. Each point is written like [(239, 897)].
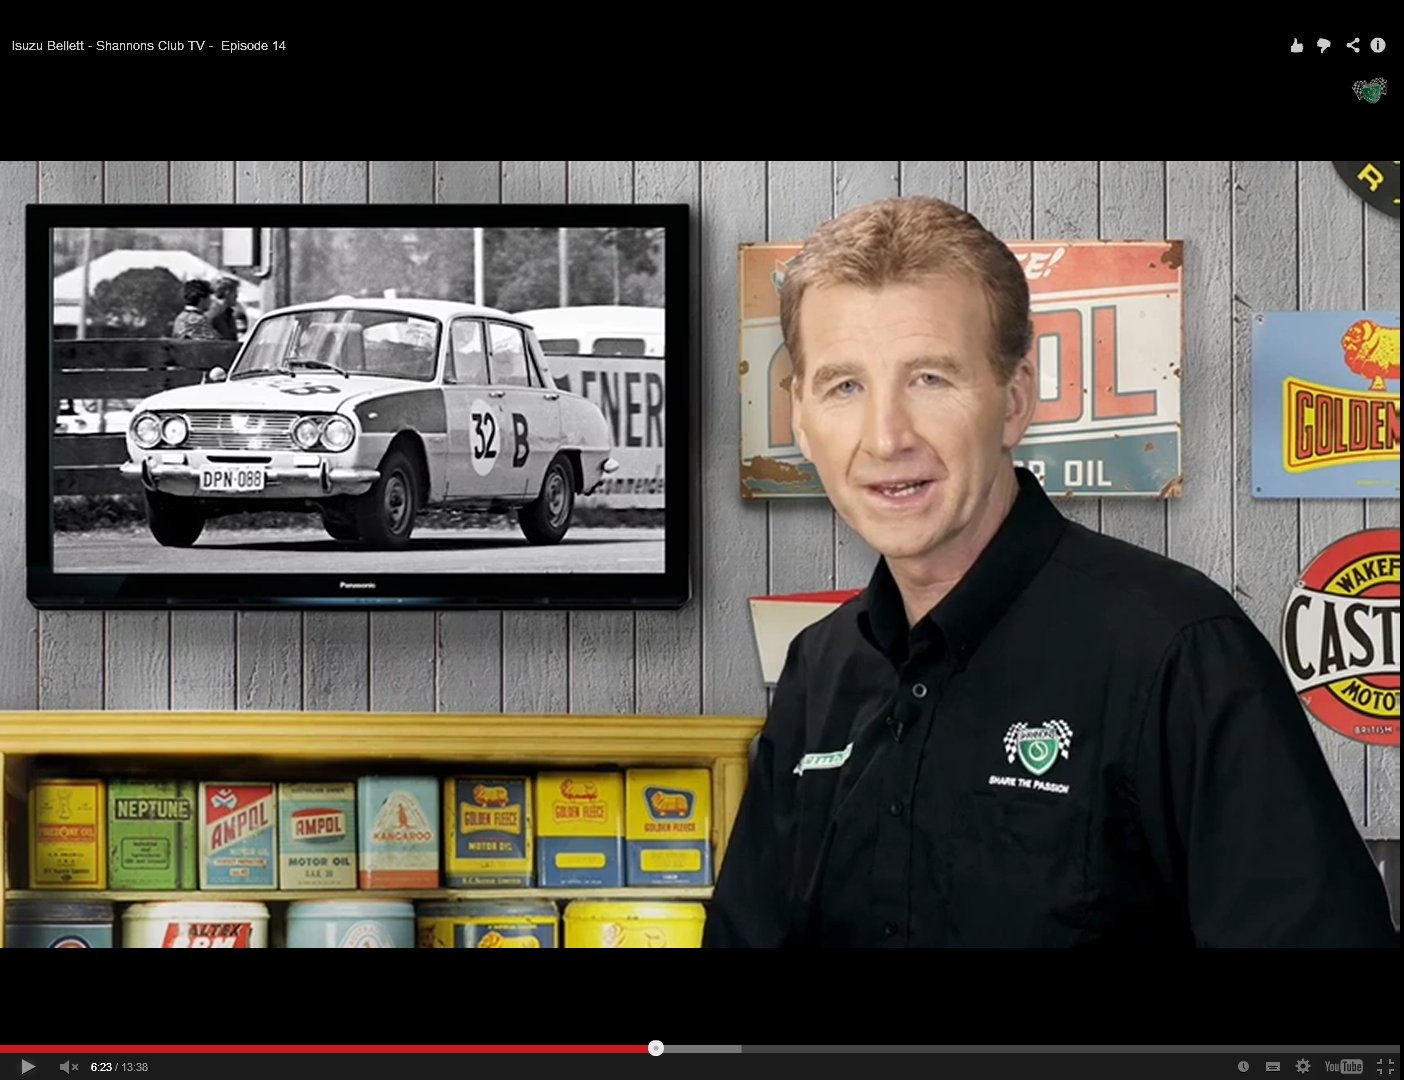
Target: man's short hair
[(196, 289), (900, 241)]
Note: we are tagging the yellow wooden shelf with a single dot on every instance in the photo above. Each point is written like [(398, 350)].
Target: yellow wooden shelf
[(186, 745)]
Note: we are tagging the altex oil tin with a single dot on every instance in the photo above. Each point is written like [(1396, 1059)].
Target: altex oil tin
[(593, 924), (58, 924), (196, 924), (351, 924), (489, 924), (68, 834)]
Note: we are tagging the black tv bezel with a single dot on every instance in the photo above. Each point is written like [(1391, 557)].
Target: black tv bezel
[(565, 591)]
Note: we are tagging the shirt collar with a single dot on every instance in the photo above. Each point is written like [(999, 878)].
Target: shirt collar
[(979, 600)]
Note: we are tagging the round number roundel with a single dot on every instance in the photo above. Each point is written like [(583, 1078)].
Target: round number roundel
[(484, 436), (1340, 637)]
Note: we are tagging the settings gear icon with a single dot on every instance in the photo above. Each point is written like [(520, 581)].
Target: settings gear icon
[(1303, 1065)]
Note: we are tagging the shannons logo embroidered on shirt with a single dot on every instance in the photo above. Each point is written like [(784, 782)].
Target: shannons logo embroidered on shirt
[(1037, 748), (832, 760)]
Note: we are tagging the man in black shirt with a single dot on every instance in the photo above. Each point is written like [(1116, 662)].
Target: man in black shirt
[(1022, 732)]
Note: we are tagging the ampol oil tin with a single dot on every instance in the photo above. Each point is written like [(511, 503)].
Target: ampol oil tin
[(68, 834), (580, 829), (58, 924), (398, 819), (489, 924), (238, 836), (195, 925), (358, 924), (670, 827), (317, 836), (633, 925), (152, 834), (487, 831)]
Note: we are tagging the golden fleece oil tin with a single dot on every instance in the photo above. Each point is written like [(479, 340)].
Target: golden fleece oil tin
[(68, 834), (595, 924), (350, 924), (58, 924), (196, 924), (488, 924), (580, 830), (488, 837), (670, 827)]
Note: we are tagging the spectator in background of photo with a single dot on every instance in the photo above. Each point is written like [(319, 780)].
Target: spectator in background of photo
[(201, 306), (232, 322)]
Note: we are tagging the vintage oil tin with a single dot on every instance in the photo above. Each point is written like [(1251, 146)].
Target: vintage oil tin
[(152, 834), (317, 836), (58, 924), (488, 924), (238, 836), (68, 834), (398, 821), (633, 925), (357, 924), (487, 831), (669, 827), (196, 925), (580, 829)]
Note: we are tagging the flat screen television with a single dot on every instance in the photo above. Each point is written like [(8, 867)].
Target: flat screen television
[(385, 406)]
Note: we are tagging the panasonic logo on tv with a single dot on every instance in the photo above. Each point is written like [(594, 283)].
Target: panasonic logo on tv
[(357, 584)]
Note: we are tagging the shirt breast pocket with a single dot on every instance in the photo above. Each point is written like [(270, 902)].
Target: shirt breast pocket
[(1018, 870)]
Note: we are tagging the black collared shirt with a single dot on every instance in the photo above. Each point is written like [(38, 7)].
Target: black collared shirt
[(1084, 743)]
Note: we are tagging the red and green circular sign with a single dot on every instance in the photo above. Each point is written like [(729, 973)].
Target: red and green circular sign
[(1340, 637)]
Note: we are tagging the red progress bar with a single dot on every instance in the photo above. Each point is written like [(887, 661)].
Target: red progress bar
[(334, 1048)]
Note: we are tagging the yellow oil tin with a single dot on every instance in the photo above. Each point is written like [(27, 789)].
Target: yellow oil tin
[(597, 924), (68, 834), (488, 924)]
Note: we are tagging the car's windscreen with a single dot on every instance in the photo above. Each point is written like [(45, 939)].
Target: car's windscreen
[(342, 340)]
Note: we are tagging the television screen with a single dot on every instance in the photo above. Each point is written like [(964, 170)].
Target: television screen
[(410, 406)]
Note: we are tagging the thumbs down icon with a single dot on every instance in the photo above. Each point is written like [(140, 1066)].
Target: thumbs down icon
[(1323, 43)]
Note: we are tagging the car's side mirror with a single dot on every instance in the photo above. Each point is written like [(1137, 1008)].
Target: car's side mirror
[(215, 374)]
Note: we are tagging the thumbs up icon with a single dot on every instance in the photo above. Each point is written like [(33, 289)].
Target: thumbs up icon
[(1296, 45), (1323, 43)]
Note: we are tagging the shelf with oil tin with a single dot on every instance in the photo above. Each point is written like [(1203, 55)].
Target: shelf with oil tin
[(640, 893)]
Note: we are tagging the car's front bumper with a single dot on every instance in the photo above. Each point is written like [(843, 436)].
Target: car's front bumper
[(315, 480)]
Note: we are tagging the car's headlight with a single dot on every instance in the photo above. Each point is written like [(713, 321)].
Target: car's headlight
[(338, 433), (146, 430), (174, 429), (306, 432)]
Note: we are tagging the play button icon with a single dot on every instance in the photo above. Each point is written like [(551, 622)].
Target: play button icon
[(25, 1066)]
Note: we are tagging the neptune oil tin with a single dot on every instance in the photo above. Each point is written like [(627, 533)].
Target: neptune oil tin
[(346, 924), (238, 836), (152, 834), (398, 822), (58, 924), (489, 924), (317, 836)]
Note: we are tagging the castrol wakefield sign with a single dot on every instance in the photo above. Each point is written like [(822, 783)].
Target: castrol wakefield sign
[(1340, 637)]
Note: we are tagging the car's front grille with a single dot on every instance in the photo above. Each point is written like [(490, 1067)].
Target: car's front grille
[(240, 430)]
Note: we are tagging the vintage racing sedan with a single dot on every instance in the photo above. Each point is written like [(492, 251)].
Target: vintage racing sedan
[(367, 411)]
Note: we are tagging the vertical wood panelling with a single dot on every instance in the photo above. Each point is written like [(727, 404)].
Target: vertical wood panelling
[(402, 643), (535, 644), (1131, 206), (601, 642), (799, 198), (668, 644), (1330, 277), (268, 643), (203, 643), (1064, 198), (856, 183), (70, 642), (469, 643), (1201, 520), (19, 622), (733, 532), (137, 644)]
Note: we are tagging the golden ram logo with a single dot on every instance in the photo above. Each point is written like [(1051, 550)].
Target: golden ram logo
[(1326, 425), (584, 789), (489, 795), (664, 803), (495, 940)]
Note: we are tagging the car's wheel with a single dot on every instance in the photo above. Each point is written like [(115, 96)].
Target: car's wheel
[(546, 519), (341, 528), (173, 522), (385, 514)]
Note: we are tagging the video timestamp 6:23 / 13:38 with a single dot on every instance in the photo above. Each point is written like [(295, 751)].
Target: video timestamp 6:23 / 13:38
[(115, 1067)]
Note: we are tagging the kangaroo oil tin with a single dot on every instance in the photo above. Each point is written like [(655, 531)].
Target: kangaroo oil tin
[(398, 820), (317, 836), (580, 829), (68, 834), (360, 924), (669, 827), (152, 835), (58, 924), (633, 925), (195, 925), (489, 924), (488, 831), (238, 836)]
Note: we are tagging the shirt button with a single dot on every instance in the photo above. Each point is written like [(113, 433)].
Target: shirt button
[(919, 690), (889, 929), (896, 808)]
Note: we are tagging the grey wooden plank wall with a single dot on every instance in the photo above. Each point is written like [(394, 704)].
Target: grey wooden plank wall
[(1259, 236)]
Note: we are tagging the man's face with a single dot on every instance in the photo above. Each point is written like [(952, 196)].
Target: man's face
[(901, 411)]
